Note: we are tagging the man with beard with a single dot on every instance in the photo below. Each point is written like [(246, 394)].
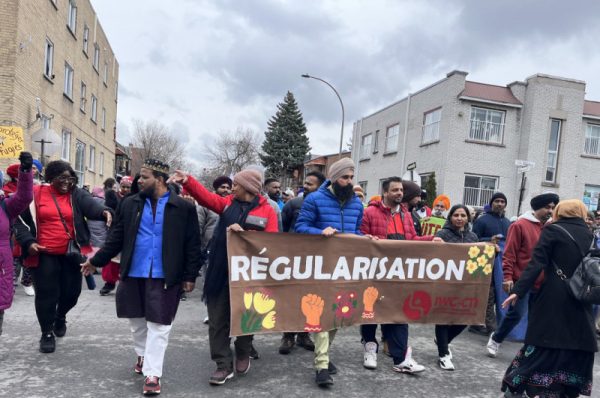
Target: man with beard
[(157, 234), (412, 200), (289, 215), (332, 209), (273, 188), (522, 238), (430, 225)]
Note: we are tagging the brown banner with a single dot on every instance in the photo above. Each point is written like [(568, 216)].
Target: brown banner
[(294, 282)]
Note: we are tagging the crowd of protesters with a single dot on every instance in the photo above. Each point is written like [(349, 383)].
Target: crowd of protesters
[(151, 236)]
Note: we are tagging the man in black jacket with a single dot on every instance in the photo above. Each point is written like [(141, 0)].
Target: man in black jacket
[(157, 234)]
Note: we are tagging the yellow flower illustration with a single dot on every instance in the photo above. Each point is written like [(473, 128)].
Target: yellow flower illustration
[(269, 320), (482, 261), (489, 251), (247, 300), (471, 266), (487, 269), (474, 251), (263, 303)]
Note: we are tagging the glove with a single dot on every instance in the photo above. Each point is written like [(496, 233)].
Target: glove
[(26, 161)]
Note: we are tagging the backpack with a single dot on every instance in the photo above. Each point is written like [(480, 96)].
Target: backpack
[(584, 284)]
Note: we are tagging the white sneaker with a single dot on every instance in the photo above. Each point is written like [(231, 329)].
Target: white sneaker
[(445, 363), (492, 347), (409, 365), (206, 320), (370, 361), (29, 290)]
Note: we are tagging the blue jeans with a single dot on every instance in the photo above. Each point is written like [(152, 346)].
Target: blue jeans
[(396, 336), (513, 316)]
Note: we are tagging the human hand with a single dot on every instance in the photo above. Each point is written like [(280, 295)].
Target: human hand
[(329, 231), (369, 298), (437, 239), (507, 286), (26, 161), (108, 217), (510, 300), (312, 308), (179, 177), (87, 268), (188, 286), (235, 228), (35, 249)]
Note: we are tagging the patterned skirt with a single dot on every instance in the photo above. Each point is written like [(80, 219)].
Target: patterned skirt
[(550, 372)]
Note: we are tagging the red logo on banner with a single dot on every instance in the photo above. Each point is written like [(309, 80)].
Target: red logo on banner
[(417, 305)]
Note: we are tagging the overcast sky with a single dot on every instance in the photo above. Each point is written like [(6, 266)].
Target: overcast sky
[(202, 67)]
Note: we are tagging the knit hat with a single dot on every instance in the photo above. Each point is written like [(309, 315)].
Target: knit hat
[(13, 171), (444, 199), (251, 180), (498, 195), (411, 191), (220, 181), (38, 165), (340, 168), (127, 180), (543, 200)]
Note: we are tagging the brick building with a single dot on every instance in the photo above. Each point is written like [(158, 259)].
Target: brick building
[(58, 72), (472, 135)]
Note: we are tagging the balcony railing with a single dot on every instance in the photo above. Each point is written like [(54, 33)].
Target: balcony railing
[(478, 197), (486, 131)]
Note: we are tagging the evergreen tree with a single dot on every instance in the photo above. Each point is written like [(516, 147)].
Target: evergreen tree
[(431, 188), (286, 144)]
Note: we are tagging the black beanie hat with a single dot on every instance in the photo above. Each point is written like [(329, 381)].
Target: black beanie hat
[(498, 195), (411, 191), (222, 180), (543, 200)]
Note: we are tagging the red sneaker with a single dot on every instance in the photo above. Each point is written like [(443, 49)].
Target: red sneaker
[(139, 365), (151, 385)]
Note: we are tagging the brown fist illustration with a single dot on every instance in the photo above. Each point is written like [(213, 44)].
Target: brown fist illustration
[(369, 297), (312, 308)]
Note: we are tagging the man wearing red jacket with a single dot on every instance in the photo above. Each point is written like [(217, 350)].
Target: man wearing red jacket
[(522, 238), (389, 218)]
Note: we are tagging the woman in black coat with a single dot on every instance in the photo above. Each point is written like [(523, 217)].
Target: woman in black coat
[(557, 358)]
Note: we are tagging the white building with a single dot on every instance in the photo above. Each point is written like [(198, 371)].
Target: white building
[(470, 134)]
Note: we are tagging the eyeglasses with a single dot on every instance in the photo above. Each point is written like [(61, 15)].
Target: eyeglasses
[(65, 179)]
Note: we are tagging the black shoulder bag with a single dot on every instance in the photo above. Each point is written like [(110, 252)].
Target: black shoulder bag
[(73, 250)]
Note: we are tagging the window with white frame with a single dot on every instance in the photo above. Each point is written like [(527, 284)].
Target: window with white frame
[(431, 126), (376, 142), (592, 140), (82, 98), (86, 38), (105, 74), (96, 60), (49, 59), (92, 158), (391, 138), (94, 108), (487, 125), (80, 162), (365, 146), (478, 190), (68, 80), (101, 167), (553, 146), (72, 16), (103, 121), (363, 185), (65, 151)]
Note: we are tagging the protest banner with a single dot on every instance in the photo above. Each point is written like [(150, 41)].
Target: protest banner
[(11, 141), (294, 282)]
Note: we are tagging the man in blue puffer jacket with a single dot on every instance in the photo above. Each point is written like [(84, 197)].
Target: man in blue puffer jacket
[(334, 208)]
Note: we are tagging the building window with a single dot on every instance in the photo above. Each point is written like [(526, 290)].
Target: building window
[(363, 185), (105, 74), (592, 140), (376, 142), (365, 147), (431, 126), (86, 39), (92, 159), (49, 61), (68, 81), (96, 57), (80, 161), (479, 190), (424, 179), (94, 108), (82, 98), (101, 163), (391, 138), (103, 121), (553, 145), (487, 125), (72, 16), (65, 152)]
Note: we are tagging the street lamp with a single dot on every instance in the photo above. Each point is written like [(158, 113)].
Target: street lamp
[(307, 76)]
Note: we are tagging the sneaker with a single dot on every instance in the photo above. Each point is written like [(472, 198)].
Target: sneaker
[(331, 368), (409, 365), (139, 365), (205, 321), (287, 343), (47, 343), (242, 366), (323, 378), (303, 340), (107, 288), (60, 327), (29, 290), (253, 353), (370, 356), (492, 347), (220, 376), (151, 385), (445, 362)]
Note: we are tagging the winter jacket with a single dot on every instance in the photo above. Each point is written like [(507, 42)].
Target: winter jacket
[(98, 228), (377, 217), (322, 209), (181, 255), (11, 208), (290, 213), (523, 236), (491, 224), (207, 220), (557, 319), (449, 234)]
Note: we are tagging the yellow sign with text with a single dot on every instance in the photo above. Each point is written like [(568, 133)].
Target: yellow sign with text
[(11, 141)]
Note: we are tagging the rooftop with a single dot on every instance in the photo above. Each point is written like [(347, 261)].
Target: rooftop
[(591, 108), (489, 92)]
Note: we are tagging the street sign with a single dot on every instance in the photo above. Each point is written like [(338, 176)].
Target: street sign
[(524, 163), (411, 166)]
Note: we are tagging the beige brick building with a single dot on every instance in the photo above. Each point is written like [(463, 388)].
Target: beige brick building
[(58, 71)]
